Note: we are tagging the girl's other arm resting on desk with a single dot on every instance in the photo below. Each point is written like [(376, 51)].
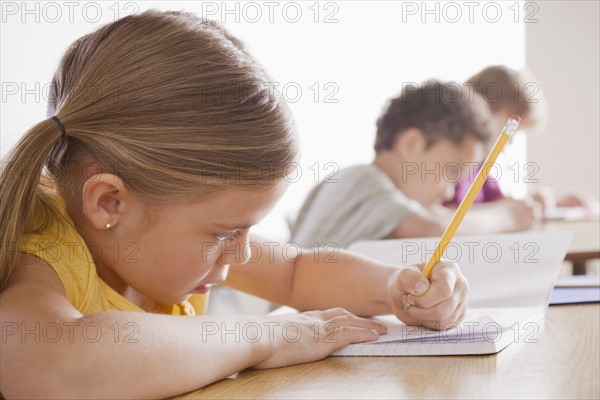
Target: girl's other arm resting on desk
[(126, 354), (134, 354)]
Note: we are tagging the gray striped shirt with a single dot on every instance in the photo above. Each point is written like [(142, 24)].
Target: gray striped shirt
[(363, 204)]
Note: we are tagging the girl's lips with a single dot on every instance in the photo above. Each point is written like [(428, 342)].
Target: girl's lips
[(202, 289)]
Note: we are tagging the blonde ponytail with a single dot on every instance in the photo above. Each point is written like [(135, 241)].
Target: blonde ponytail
[(21, 191)]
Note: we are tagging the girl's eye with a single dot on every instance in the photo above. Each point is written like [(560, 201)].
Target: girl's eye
[(228, 237)]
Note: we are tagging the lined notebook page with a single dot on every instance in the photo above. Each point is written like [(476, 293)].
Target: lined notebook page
[(484, 331), (479, 324)]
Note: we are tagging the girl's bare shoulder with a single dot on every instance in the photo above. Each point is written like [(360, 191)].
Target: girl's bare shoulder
[(34, 288)]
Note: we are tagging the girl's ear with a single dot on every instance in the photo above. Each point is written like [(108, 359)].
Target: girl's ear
[(104, 200), (410, 144)]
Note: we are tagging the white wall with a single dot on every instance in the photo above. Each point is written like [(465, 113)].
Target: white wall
[(562, 51), (363, 50)]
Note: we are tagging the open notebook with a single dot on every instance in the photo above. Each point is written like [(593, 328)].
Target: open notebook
[(510, 276), (484, 331)]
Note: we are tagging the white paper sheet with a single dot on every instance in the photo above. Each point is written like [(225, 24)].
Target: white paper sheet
[(504, 270)]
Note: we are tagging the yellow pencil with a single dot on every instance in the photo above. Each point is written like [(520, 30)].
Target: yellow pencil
[(507, 132)]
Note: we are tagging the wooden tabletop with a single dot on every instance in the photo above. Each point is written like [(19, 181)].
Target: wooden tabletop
[(563, 364), (585, 244), (586, 235)]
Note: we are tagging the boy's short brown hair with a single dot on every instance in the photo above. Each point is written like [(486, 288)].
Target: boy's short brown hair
[(440, 110)]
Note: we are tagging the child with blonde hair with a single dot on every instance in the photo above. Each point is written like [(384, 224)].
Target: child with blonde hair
[(162, 147), (506, 92)]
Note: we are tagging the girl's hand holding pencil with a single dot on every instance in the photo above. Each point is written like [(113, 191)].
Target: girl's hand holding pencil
[(435, 303)]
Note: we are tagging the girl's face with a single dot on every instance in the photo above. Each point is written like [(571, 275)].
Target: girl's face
[(186, 247)]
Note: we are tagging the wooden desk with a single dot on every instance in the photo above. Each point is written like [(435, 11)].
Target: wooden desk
[(585, 244), (564, 364)]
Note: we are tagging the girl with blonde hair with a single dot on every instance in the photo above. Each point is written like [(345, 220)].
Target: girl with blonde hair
[(163, 146)]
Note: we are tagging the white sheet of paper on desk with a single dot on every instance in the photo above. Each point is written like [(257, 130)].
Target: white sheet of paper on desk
[(590, 212), (504, 270)]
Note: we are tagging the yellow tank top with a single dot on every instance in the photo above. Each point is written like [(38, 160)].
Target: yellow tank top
[(61, 247)]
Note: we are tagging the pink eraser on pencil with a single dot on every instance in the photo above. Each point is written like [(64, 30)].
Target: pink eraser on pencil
[(515, 117)]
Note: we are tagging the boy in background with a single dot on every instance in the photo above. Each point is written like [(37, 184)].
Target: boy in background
[(425, 139)]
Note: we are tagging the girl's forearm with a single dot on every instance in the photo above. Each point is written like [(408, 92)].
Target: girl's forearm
[(135, 355), (342, 279)]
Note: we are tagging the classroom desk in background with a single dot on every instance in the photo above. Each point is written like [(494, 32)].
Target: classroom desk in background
[(563, 364), (585, 244)]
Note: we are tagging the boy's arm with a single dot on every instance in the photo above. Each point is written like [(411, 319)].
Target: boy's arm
[(425, 223), (506, 215)]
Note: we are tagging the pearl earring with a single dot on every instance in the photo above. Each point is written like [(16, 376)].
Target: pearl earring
[(108, 225)]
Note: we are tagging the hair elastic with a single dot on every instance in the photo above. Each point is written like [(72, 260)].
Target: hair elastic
[(63, 131)]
